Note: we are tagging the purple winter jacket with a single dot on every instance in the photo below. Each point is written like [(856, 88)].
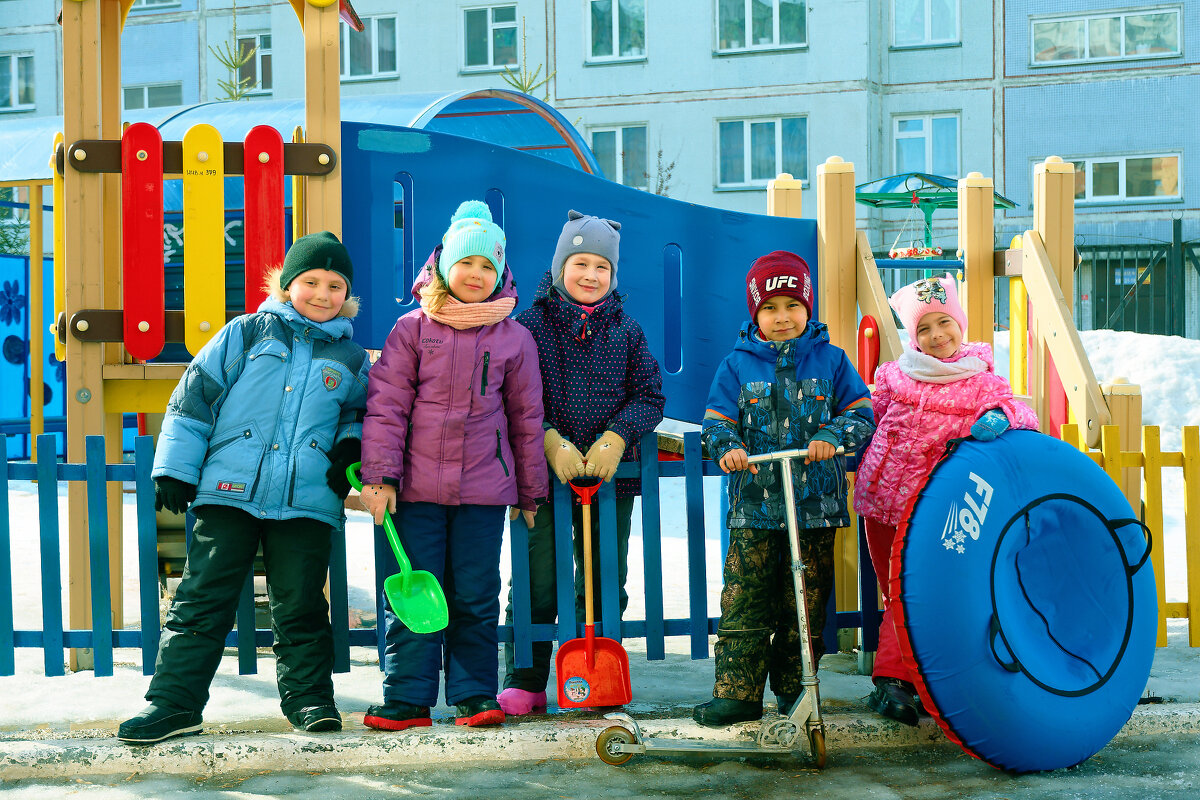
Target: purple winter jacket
[(454, 417)]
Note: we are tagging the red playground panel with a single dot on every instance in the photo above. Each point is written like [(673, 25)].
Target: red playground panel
[(144, 299), (264, 209)]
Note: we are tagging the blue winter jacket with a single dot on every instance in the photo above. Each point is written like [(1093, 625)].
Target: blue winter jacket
[(597, 372), (258, 409), (769, 396)]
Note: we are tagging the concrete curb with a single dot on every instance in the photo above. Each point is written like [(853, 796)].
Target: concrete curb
[(94, 753)]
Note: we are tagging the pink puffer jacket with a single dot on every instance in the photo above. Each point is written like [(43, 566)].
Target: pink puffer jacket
[(914, 421)]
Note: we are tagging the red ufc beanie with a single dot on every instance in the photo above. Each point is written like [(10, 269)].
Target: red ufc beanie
[(778, 273)]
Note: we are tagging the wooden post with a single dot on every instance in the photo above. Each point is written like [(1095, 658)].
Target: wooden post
[(1152, 464), (1124, 401), (836, 253), (322, 112), (82, 260), (1191, 528), (1054, 220), (37, 330), (976, 237), (785, 196)]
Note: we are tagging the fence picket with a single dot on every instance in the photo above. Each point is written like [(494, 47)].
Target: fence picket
[(246, 633), (693, 469), (564, 566), (147, 537), (1191, 528), (339, 600), (7, 645), (97, 510), (51, 560), (1153, 517), (608, 601), (652, 549), (518, 538)]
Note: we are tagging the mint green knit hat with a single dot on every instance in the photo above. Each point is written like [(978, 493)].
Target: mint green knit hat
[(472, 233)]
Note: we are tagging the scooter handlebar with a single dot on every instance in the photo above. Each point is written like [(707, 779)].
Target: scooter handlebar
[(782, 455)]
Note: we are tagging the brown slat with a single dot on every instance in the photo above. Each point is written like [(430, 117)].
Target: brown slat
[(104, 155), (107, 325)]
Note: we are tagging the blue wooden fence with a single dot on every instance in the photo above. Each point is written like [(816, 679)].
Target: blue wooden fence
[(53, 639)]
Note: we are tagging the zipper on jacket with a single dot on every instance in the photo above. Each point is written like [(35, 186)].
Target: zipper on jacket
[(487, 356), (500, 453), (221, 445)]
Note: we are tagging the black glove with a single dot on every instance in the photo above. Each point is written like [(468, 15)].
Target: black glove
[(343, 454), (172, 494)]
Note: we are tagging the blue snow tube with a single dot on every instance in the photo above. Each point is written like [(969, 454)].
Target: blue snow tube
[(1027, 607)]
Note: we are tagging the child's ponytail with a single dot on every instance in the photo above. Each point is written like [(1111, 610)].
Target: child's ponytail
[(434, 293)]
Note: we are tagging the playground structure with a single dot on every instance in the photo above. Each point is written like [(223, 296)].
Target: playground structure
[(690, 298)]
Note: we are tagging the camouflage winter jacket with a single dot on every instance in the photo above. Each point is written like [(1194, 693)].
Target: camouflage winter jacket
[(769, 396)]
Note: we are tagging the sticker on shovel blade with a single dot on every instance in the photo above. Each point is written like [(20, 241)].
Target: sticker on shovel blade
[(576, 689)]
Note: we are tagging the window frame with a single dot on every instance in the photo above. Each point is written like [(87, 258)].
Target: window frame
[(752, 184), (592, 58), (619, 129), (1122, 197), (493, 26), (145, 89), (929, 41), (15, 216), (153, 5), (1123, 13), (16, 106), (928, 135), (259, 51), (756, 48), (370, 23)]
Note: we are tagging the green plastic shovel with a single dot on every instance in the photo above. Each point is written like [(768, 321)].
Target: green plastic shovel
[(415, 595)]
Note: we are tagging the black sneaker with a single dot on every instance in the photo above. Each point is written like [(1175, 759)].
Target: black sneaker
[(397, 716), (721, 711), (159, 721), (786, 702), (895, 699), (476, 712), (316, 719)]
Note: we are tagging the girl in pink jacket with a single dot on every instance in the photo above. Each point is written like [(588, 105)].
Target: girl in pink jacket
[(941, 389)]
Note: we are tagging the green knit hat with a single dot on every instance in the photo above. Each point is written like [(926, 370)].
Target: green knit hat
[(316, 251)]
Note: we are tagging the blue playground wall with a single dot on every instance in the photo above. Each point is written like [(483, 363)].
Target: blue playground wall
[(682, 266)]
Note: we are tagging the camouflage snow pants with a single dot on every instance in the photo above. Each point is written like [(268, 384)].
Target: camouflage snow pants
[(758, 634)]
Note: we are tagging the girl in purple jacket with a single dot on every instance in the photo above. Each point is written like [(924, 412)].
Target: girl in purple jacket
[(943, 388), (452, 435)]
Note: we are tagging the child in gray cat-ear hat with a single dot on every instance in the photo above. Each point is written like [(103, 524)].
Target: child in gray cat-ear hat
[(584, 236), (602, 391)]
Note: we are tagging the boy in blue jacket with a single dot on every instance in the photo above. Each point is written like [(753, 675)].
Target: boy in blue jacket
[(256, 440), (603, 391), (783, 387)]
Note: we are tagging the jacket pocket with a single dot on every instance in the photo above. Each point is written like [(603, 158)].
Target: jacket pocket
[(232, 464), (307, 488), (500, 452)]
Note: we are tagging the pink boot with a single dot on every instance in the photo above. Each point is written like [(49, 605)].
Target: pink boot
[(516, 702)]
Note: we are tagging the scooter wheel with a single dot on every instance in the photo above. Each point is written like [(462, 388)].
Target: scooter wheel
[(607, 743), (816, 742)]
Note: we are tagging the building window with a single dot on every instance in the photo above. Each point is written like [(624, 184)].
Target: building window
[(1106, 37), (153, 95), (256, 72), (8, 214), (924, 22), (371, 53), (927, 143), (144, 5), (16, 81), (621, 153), (489, 37), (751, 152), (1142, 177), (760, 24), (617, 29)]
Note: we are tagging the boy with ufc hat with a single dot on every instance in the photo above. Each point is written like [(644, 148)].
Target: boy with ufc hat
[(784, 386)]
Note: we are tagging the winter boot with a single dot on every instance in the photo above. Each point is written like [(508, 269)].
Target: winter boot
[(397, 716), (518, 702), (316, 719), (895, 699), (479, 711), (158, 721), (721, 711), (786, 702)]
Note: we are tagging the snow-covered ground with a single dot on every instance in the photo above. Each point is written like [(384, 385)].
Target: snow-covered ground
[(1167, 368)]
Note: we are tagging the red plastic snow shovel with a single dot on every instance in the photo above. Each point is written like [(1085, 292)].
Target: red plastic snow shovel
[(592, 672)]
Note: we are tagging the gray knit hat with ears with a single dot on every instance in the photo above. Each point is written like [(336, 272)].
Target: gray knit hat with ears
[(584, 234)]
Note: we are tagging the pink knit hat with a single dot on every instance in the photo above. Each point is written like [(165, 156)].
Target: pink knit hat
[(926, 296)]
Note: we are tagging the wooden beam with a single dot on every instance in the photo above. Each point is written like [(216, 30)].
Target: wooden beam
[(872, 300), (322, 113), (837, 253), (976, 237)]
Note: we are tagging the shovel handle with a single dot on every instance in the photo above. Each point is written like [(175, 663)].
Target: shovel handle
[(586, 491), (389, 527)]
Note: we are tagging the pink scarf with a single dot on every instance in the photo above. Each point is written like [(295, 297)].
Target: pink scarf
[(460, 315)]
